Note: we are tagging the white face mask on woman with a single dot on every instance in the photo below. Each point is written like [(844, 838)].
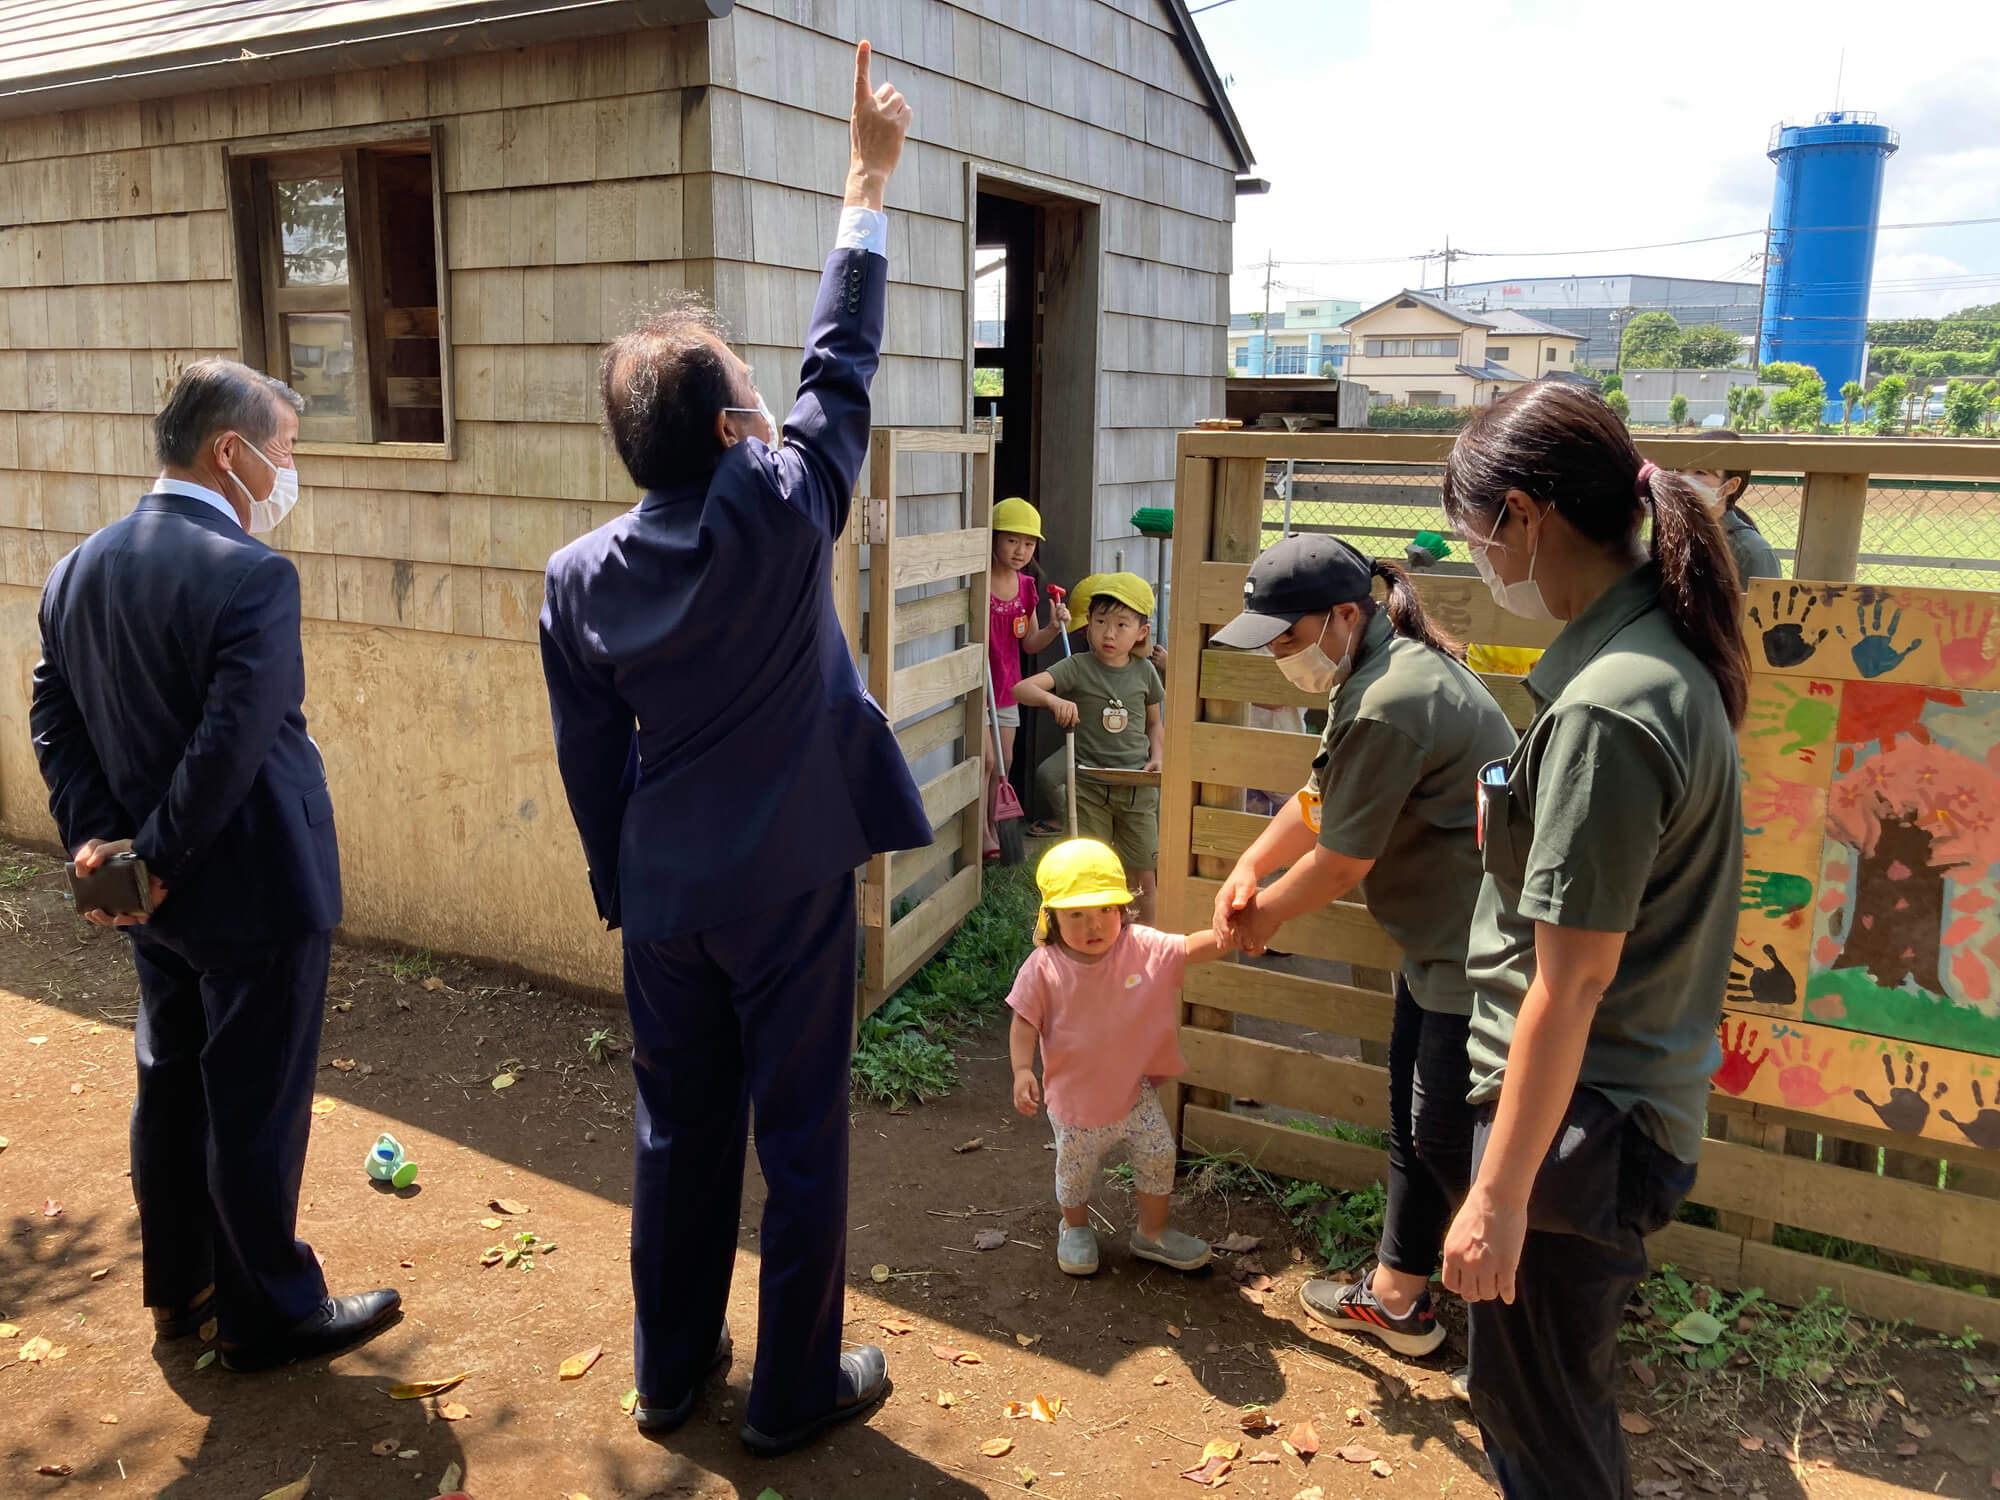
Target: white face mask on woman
[(1312, 670), (266, 514), (1522, 598), (1706, 493)]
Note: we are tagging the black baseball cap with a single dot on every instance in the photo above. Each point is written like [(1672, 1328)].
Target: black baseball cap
[(1299, 576)]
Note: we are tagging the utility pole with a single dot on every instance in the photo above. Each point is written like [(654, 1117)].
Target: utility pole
[(1270, 265), (1763, 283), (1447, 268)]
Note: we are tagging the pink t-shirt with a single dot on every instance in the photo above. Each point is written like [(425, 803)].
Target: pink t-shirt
[(1007, 621), (1107, 1026)]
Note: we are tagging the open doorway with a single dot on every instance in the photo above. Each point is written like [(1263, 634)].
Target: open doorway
[(1034, 313)]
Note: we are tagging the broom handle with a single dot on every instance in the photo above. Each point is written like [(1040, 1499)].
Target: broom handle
[(1069, 748)]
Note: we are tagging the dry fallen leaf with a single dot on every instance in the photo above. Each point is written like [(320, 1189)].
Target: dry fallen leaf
[(433, 984), (1382, 1469), (100, 1273), (1045, 1408), (1266, 1457), (1356, 1417), (51, 1209), (207, 1359), (325, 1106), (953, 1356), (1356, 1453), (1633, 1423), (574, 1367), (946, 1400), (1159, 1380), (109, 1419), (989, 1239), (1238, 1244), (1254, 1422), (35, 1350), (493, 1257), (343, 1064), (296, 1490), (1915, 1428), (1311, 1492), (1209, 1473), (208, 1330), (384, 1448), (453, 1476), (1173, 1332), (1642, 1372), (76, 1088), (1251, 1296), (489, 1222), (4, 1143), (406, 1453), (972, 1145), (1027, 1340), (452, 1411), (1750, 1444), (508, 1206), (503, 1080), (1304, 1440), (417, 1389), (1909, 1448), (1894, 1394), (629, 1402), (897, 1326), (1222, 1448), (997, 1447), (8, 1330), (36, 1041), (57, 1471)]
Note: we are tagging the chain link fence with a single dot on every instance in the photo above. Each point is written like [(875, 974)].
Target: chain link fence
[(1922, 533)]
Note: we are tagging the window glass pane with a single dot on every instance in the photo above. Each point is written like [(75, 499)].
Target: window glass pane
[(319, 364), (989, 298), (1498, 353), (312, 231)]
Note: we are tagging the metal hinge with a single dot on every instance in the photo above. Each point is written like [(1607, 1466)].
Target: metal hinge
[(875, 521)]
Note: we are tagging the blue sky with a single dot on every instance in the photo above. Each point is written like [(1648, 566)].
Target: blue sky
[(1385, 127)]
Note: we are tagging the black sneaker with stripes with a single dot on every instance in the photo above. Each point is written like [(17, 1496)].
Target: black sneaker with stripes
[(1354, 1308)]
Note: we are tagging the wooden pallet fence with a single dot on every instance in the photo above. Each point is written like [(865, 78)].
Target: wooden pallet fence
[(1212, 757)]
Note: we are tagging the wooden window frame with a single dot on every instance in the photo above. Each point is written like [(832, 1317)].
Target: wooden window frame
[(263, 303)]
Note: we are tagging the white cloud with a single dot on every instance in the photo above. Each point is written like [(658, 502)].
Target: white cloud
[(1516, 125)]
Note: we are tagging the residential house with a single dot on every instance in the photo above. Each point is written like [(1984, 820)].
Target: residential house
[(1415, 349), (1307, 338), (430, 216)]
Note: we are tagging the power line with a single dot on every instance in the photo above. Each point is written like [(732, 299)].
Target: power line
[(1741, 234)]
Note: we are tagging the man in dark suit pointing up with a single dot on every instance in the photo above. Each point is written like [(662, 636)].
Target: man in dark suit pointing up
[(167, 721), (727, 773)]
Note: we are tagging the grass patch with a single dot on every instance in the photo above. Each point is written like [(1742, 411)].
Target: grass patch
[(904, 1050), (1341, 1228), (412, 963), (1340, 1130), (15, 877)]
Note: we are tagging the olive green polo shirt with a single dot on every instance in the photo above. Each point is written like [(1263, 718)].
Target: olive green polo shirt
[(1111, 704), (1397, 773), (1753, 554), (1622, 812)]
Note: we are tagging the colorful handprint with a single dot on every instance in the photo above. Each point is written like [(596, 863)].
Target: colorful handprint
[(1776, 893), (1785, 640), (1775, 799), (1965, 635), (1983, 1129), (1740, 1059), (1769, 984), (1906, 1109), (1807, 717), (1874, 649), (1801, 1082)]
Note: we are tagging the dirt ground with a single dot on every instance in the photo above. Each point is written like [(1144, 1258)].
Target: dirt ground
[(1148, 1365)]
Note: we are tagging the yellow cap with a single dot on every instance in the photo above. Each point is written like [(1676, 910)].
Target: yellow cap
[(1017, 516), (1129, 589), (1082, 873)]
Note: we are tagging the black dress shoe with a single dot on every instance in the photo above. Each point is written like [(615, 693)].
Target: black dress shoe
[(339, 1323), (179, 1322), (656, 1420), (864, 1381)]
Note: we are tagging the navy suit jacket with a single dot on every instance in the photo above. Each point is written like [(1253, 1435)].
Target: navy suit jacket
[(718, 748), (167, 710)]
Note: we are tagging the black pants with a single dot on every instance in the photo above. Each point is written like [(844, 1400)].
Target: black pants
[(227, 1044), (758, 1014), (1544, 1368), (1430, 1134)]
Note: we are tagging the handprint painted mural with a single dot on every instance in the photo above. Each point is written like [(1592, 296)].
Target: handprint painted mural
[(1868, 945)]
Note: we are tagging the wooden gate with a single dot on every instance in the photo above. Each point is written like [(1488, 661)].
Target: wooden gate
[(937, 704), (1894, 1203)]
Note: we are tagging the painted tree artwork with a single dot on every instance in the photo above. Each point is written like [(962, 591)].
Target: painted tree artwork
[(1868, 941)]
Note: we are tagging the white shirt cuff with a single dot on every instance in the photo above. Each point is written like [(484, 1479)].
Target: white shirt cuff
[(863, 229)]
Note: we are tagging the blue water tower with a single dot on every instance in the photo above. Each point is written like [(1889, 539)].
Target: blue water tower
[(1824, 212)]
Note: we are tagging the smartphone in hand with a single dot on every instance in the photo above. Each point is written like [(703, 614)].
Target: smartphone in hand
[(118, 887)]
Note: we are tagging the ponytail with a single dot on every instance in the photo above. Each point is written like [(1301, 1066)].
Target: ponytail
[(1698, 582), (1406, 610), (1562, 446)]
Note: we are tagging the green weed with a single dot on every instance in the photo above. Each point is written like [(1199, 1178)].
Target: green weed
[(904, 1066), (602, 1045), (1693, 1325), (16, 877), (414, 963), (1340, 1130), (1343, 1228)]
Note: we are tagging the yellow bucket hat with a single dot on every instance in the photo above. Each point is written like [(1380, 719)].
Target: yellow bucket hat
[(1129, 589), (1080, 873), (1017, 516)]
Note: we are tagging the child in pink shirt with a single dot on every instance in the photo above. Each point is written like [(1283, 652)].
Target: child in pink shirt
[(1102, 996)]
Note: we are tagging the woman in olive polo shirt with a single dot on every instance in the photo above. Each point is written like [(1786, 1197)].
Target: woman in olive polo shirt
[(1390, 809), (1601, 942)]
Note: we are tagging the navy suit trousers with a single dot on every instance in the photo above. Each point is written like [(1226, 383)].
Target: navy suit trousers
[(756, 1016), (227, 1042)]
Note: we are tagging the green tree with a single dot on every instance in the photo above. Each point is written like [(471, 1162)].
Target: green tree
[(1964, 408), (1800, 405), (1785, 372), (1987, 312), (1850, 397), (1751, 403), (1620, 404), (1890, 392), (1708, 346), (1611, 381), (1652, 341), (1732, 401), (1677, 410), (1326, 370)]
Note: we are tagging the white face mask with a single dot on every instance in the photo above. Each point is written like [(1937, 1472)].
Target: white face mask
[(1312, 670), (771, 422), (266, 514), (1523, 598), (1711, 501)]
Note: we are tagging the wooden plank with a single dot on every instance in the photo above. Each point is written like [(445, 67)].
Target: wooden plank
[(915, 560), (443, 310), (922, 617), (1194, 497), (914, 689), (979, 521), (1792, 1276), (1236, 755), (1280, 1149), (1222, 834), (912, 941), (410, 323), (1318, 1004), (948, 791), (1890, 1212), (1830, 517), (905, 870), (1337, 1087), (1959, 1153), (1343, 931), (408, 390), (924, 736), (925, 440)]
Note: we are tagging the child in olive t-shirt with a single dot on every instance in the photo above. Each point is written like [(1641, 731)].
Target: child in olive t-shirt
[(1110, 696)]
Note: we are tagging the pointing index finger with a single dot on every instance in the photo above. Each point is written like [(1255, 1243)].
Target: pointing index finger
[(862, 91)]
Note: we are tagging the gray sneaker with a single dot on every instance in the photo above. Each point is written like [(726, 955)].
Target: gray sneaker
[(1076, 1250), (1181, 1251), (1354, 1308)]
